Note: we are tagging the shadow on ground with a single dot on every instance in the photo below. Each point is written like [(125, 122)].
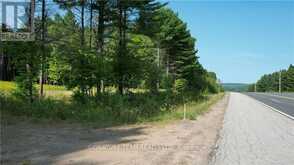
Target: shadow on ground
[(43, 144)]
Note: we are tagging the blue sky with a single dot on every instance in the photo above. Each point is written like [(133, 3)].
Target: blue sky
[(238, 40)]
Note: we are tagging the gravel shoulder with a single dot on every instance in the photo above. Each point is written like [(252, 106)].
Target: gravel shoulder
[(183, 142), (254, 134)]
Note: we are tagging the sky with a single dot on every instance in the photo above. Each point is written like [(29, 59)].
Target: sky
[(240, 40)]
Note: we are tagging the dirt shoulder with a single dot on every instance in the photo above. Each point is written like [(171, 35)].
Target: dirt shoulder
[(183, 142)]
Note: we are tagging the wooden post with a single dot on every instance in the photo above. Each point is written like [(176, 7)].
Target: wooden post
[(184, 111)]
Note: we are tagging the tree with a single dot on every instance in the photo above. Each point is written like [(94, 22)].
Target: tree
[(26, 60), (148, 21), (270, 82), (288, 82), (80, 5), (123, 10), (43, 30), (65, 48), (103, 7), (212, 83), (180, 60)]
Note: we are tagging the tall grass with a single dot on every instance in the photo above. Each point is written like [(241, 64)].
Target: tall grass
[(194, 108), (104, 110), (108, 109)]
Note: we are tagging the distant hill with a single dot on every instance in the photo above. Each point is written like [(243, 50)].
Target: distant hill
[(235, 87)]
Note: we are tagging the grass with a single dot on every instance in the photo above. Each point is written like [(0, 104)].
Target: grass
[(108, 109), (7, 86), (10, 86), (54, 91), (193, 109)]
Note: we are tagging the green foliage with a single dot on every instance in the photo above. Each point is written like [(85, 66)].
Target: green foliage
[(180, 86), (212, 82), (270, 82), (179, 45), (111, 109), (288, 79), (149, 18), (27, 63), (251, 88), (132, 46)]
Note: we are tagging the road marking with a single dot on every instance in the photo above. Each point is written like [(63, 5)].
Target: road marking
[(276, 96), (272, 108)]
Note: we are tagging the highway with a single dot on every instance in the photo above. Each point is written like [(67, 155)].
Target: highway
[(253, 134), (283, 102)]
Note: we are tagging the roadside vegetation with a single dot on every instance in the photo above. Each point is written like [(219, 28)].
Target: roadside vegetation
[(270, 82), (107, 62), (106, 110)]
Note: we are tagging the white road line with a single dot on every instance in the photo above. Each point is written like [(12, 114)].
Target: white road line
[(272, 108)]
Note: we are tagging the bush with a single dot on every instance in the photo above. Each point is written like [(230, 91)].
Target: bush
[(104, 110)]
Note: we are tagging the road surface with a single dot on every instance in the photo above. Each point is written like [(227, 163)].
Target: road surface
[(287, 94), (283, 102), (253, 134)]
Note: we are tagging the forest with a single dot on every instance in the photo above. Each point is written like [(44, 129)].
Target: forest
[(270, 82), (117, 61)]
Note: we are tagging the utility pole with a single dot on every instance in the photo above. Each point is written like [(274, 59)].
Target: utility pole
[(280, 81), (255, 87)]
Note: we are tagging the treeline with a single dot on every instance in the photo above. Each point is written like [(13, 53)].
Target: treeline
[(235, 87), (95, 45), (270, 82)]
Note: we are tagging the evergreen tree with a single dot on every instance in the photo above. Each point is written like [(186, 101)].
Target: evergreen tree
[(270, 82), (289, 79), (148, 19), (180, 60)]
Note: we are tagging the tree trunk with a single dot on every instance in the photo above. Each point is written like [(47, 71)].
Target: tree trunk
[(100, 38), (83, 24), (121, 47), (42, 49), (91, 23)]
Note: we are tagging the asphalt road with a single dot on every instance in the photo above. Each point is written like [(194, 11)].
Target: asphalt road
[(253, 134), (283, 102), (287, 94)]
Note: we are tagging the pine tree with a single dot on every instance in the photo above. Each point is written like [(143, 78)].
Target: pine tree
[(103, 19), (181, 60), (289, 82), (148, 19), (123, 10), (81, 4)]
